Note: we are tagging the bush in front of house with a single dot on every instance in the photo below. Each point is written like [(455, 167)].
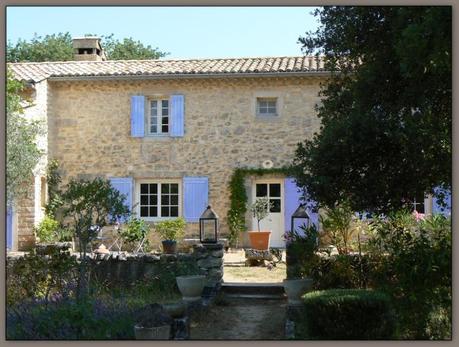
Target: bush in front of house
[(346, 314)]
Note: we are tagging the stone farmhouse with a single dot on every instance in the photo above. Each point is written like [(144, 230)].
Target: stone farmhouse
[(170, 133)]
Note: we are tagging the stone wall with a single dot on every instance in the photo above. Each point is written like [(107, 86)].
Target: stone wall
[(89, 130), (126, 268)]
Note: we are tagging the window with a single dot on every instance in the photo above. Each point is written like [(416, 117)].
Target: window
[(159, 200), (419, 203), (273, 192), (266, 106), (158, 122)]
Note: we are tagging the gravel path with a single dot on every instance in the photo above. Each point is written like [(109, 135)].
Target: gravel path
[(243, 320)]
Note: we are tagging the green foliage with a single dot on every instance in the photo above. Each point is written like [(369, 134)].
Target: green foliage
[(238, 195), (416, 270), (390, 89), (22, 153), (337, 226), (48, 230), (128, 48), (91, 203), (136, 230), (260, 209), (171, 229), (55, 47), (58, 47), (301, 251), (36, 276), (344, 314), (53, 179), (236, 225), (344, 271)]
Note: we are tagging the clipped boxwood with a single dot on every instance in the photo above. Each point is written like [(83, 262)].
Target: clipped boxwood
[(346, 314)]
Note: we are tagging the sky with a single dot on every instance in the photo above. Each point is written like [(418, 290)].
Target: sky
[(184, 32)]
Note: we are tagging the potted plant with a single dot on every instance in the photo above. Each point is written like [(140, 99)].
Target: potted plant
[(189, 280), (260, 210), (301, 257), (170, 231), (152, 323), (135, 232)]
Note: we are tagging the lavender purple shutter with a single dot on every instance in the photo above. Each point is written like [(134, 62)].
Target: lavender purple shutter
[(437, 208), (137, 116), (9, 228), (177, 118), (292, 197), (125, 186), (195, 197)]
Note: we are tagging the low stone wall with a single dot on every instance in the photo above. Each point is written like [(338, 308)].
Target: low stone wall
[(125, 268)]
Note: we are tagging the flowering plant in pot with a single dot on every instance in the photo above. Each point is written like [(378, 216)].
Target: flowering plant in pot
[(152, 323), (260, 210), (301, 258), (170, 231)]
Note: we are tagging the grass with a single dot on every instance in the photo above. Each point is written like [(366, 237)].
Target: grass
[(255, 274)]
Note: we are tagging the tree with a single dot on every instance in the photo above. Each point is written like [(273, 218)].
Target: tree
[(59, 47), (55, 47), (386, 113), (22, 153)]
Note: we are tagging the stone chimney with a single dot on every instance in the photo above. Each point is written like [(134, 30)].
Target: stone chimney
[(88, 49)]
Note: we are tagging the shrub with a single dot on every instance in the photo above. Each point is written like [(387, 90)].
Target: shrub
[(344, 271), (416, 270), (346, 314), (37, 276), (48, 230), (68, 319), (301, 251), (171, 229)]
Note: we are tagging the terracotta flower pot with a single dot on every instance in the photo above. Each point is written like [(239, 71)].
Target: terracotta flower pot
[(153, 333), (296, 288), (169, 246), (191, 287), (259, 239)]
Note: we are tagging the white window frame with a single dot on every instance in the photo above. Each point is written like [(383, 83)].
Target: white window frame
[(159, 116), (428, 201), (158, 181), (267, 98)]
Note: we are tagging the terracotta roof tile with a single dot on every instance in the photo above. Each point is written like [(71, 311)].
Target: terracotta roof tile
[(35, 72)]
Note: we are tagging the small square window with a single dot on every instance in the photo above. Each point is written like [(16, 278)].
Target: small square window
[(266, 106)]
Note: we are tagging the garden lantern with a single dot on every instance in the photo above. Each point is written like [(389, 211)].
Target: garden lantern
[(208, 226), (299, 217)]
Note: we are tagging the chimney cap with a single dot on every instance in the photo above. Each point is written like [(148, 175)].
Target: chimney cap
[(87, 42)]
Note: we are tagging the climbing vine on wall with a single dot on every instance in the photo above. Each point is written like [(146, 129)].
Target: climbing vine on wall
[(238, 197)]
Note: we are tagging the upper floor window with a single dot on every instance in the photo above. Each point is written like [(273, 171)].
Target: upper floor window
[(159, 117), (267, 107)]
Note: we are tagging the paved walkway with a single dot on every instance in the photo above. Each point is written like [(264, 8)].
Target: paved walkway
[(242, 320)]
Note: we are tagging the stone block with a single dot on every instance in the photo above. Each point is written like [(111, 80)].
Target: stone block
[(210, 262)]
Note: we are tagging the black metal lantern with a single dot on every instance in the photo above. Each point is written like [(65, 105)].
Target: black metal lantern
[(208, 226), (300, 215)]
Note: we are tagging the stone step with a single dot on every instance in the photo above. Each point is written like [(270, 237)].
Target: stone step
[(253, 290)]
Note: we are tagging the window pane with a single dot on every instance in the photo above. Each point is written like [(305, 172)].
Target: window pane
[(144, 188), (164, 211), (174, 211), (154, 211), (174, 199), (165, 128), (165, 103), (174, 188), (153, 188), (153, 199), (165, 111), (144, 212), (165, 120), (144, 200), (275, 205), (164, 188), (164, 199), (262, 190), (154, 103), (274, 190), (153, 129)]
